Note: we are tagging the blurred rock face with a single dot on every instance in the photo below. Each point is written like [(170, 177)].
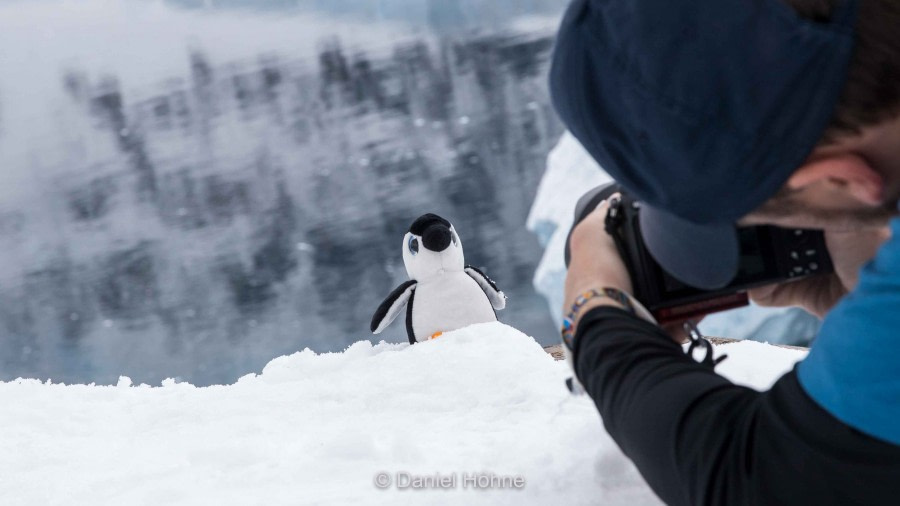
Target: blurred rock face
[(213, 219)]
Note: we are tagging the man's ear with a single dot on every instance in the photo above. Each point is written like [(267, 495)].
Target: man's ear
[(848, 172)]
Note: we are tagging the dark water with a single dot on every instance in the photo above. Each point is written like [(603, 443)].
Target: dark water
[(249, 209)]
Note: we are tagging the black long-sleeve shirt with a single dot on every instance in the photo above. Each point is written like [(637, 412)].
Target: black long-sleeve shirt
[(699, 439)]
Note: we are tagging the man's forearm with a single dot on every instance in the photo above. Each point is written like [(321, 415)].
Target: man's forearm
[(699, 439), (668, 413)]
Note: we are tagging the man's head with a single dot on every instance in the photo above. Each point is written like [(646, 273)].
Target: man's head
[(852, 177), (710, 111)]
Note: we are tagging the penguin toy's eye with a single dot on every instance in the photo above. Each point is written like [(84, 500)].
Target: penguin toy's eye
[(413, 245)]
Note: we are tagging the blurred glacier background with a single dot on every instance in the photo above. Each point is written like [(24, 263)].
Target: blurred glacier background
[(189, 188)]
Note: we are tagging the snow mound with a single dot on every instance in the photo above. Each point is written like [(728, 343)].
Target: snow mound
[(315, 429)]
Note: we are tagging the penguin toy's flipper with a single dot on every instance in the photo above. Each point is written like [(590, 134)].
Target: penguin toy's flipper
[(497, 298), (391, 307)]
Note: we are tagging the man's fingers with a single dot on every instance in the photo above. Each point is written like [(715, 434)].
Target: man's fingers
[(768, 295), (816, 294), (588, 229), (593, 226), (594, 259), (589, 240)]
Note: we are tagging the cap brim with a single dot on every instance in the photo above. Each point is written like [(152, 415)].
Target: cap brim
[(702, 256)]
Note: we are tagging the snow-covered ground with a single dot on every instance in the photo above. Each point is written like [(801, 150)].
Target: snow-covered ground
[(571, 172), (316, 429)]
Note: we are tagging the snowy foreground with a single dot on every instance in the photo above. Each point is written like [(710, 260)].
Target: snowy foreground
[(316, 429)]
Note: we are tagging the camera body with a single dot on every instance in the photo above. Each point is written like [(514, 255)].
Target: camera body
[(768, 254)]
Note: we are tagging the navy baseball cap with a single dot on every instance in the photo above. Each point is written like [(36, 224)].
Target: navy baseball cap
[(701, 109)]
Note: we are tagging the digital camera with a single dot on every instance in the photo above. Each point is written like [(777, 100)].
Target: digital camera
[(768, 254)]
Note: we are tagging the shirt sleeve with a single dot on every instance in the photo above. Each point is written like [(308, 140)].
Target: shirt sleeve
[(673, 417), (698, 439)]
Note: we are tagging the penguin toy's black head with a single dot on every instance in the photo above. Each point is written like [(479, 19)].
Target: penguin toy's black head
[(431, 247)]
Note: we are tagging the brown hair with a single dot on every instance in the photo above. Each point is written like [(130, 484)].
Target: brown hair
[(872, 92)]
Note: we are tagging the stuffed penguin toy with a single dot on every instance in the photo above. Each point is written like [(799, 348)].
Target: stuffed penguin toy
[(442, 293)]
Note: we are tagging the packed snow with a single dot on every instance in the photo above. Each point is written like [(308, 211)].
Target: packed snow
[(485, 405), (571, 171)]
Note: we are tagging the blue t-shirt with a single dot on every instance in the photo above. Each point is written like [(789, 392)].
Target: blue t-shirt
[(853, 368)]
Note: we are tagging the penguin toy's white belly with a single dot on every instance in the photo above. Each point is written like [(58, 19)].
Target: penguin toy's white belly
[(447, 302)]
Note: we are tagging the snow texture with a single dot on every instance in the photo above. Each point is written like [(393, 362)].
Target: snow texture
[(571, 171), (315, 429)]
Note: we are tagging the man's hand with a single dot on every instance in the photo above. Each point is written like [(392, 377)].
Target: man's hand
[(594, 260), (595, 263), (849, 252)]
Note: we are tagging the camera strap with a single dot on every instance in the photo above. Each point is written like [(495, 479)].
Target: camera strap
[(613, 224), (615, 217), (698, 341)]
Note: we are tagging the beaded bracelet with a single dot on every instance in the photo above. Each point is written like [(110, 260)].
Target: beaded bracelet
[(568, 327)]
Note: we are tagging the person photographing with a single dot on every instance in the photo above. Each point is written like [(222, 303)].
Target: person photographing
[(720, 114)]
